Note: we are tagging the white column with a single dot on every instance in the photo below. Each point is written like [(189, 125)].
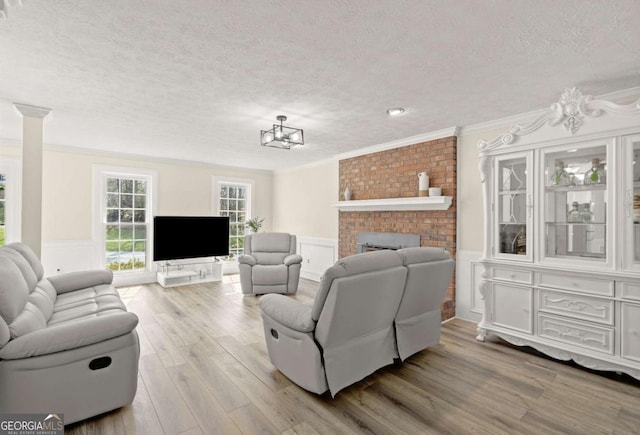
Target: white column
[(32, 120)]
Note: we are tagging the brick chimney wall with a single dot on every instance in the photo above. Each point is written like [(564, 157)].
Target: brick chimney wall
[(394, 174)]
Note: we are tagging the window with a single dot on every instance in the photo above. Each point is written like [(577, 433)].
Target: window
[(124, 223), (234, 200), (3, 179), (10, 200)]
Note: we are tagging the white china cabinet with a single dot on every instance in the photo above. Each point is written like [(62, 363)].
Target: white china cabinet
[(561, 263)]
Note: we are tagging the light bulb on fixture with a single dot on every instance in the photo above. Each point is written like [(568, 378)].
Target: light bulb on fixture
[(295, 137)]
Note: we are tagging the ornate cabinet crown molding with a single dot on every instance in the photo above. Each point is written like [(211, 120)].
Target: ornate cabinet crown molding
[(570, 110)]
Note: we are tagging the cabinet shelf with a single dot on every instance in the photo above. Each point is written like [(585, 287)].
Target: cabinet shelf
[(577, 188), (180, 274), (175, 274), (513, 192), (558, 224), (595, 255)]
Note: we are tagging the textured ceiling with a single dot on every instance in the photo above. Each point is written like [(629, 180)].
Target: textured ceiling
[(199, 79)]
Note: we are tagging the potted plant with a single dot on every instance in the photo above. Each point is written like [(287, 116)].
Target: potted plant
[(254, 224)]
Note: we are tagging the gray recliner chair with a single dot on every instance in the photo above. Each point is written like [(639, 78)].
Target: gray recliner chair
[(370, 309), (269, 264), (67, 343), (418, 320)]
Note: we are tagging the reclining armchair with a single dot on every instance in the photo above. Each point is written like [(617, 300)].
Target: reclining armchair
[(269, 264), (369, 310), (67, 343), (419, 316)]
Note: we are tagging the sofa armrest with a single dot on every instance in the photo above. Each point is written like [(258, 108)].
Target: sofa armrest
[(288, 312), (69, 282), (70, 335), (292, 259), (247, 259)]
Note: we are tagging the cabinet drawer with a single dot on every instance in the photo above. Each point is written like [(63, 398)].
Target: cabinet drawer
[(513, 275), (578, 334), (630, 327), (630, 291), (575, 283), (578, 307), (512, 307)]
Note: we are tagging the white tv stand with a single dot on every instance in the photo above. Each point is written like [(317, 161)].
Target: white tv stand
[(175, 273)]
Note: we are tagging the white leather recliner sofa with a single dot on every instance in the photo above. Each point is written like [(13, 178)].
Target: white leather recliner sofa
[(370, 309), (269, 264), (67, 343)]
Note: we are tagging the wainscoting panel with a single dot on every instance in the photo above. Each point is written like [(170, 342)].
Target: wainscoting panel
[(69, 256), (468, 303), (317, 256), (76, 255)]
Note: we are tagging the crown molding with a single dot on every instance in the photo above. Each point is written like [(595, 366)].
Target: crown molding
[(306, 166), (618, 97), (147, 158), (32, 111), (127, 156), (426, 137)]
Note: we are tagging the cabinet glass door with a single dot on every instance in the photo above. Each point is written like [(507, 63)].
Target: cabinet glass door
[(575, 203), (513, 234), (631, 161)]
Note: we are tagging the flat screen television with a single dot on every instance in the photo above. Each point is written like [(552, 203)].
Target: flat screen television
[(177, 237)]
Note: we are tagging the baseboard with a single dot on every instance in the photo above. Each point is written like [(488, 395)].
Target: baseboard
[(310, 276)]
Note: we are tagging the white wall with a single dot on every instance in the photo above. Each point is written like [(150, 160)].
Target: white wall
[(302, 205), (302, 199), (183, 189), (470, 235)]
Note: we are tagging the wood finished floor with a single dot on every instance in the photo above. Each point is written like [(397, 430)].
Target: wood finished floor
[(204, 369)]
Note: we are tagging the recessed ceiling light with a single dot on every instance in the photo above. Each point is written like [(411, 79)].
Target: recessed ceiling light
[(396, 111)]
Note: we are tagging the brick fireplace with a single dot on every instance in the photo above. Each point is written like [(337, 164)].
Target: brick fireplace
[(394, 174)]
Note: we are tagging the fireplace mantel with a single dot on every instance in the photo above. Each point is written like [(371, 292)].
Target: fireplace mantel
[(396, 204)]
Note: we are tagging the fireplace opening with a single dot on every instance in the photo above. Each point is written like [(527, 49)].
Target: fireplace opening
[(368, 242)]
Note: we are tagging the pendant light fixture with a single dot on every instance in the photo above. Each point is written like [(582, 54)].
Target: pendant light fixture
[(281, 136)]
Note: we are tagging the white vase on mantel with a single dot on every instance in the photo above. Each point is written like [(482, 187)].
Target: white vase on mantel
[(347, 194), (423, 184)]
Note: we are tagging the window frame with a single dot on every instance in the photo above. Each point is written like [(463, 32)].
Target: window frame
[(101, 174), (248, 183), (12, 168)]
